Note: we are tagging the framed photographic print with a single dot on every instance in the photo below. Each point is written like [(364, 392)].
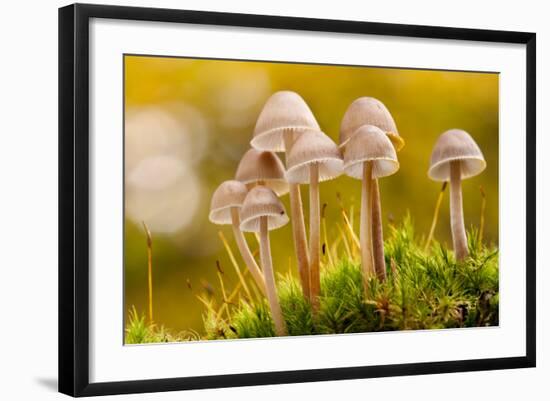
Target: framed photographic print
[(249, 199)]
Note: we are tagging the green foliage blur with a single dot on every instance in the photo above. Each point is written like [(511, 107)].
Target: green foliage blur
[(188, 122)]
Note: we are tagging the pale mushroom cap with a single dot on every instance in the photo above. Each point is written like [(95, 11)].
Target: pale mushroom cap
[(228, 195), (283, 111), (370, 143), (313, 147), (265, 167), (262, 202), (371, 111), (453, 145)]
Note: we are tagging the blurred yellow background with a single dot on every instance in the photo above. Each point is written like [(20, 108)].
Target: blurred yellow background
[(188, 122)]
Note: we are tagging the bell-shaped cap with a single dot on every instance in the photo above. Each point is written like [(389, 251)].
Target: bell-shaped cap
[(259, 166), (262, 202), (370, 143), (313, 147), (283, 111), (229, 194), (369, 111), (453, 145)]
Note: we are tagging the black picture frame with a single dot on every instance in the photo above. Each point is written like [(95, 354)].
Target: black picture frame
[(74, 198)]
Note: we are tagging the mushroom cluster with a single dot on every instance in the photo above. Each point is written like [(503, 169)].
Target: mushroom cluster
[(227, 201), (371, 111), (368, 156), (284, 117), (314, 157), (369, 142)]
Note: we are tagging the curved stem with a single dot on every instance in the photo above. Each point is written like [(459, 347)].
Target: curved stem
[(267, 265), (325, 237), (298, 226), (245, 251), (378, 233), (314, 235), (460, 242), (365, 228), (149, 270), (482, 215), (435, 217)]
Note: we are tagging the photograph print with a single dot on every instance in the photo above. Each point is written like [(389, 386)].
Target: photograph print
[(267, 199)]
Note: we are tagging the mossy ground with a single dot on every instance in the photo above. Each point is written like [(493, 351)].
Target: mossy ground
[(425, 289)]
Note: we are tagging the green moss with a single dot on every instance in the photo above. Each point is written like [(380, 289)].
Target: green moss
[(424, 290), (138, 331)]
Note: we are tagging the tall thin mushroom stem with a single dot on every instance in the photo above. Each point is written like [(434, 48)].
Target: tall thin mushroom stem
[(267, 265), (298, 226), (365, 229), (245, 251), (314, 235), (457, 218), (377, 233)]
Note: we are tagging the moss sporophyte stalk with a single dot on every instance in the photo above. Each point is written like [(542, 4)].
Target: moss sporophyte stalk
[(341, 283)]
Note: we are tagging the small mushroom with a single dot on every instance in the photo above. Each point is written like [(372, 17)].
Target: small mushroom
[(314, 157), (226, 202), (262, 212), (261, 167), (283, 118), (368, 155), (368, 110), (371, 111), (456, 157)]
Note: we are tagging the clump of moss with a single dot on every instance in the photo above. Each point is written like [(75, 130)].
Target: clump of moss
[(138, 331), (425, 289)]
